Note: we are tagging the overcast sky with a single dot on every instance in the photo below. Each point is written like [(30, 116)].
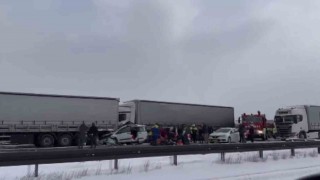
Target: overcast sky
[(251, 55)]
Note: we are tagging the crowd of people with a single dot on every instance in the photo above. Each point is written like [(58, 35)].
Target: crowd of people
[(90, 134), (179, 135), (166, 135)]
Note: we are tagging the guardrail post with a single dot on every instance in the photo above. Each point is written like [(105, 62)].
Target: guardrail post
[(293, 152), (36, 170), (223, 156), (175, 160), (318, 150), (116, 164), (261, 154)]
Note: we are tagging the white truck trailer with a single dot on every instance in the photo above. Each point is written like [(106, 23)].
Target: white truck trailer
[(298, 122), (53, 120), (169, 113)]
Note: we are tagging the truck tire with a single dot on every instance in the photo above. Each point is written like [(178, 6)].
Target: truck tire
[(65, 140), (46, 140)]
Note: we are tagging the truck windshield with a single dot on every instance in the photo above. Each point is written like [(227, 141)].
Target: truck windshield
[(278, 119), (289, 118), (252, 119), (122, 117)]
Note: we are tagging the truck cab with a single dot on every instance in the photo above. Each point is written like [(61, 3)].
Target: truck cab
[(258, 121), (292, 122), (127, 113)]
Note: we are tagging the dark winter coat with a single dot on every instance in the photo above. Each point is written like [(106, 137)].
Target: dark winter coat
[(83, 130), (93, 131), (251, 130), (241, 128)]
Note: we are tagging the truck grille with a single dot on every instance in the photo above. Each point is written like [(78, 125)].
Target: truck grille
[(284, 129)]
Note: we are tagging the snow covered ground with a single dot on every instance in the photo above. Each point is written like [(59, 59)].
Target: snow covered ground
[(239, 166)]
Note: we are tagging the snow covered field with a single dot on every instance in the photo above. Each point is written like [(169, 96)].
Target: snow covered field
[(274, 165)]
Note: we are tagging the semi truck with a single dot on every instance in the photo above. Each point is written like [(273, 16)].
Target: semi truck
[(172, 114), (53, 120), (302, 121)]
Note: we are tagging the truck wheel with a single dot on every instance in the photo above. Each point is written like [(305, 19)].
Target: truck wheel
[(46, 140), (65, 140)]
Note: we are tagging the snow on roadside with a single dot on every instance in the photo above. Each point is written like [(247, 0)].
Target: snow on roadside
[(275, 164)]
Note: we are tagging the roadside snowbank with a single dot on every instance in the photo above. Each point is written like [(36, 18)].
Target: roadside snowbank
[(274, 165)]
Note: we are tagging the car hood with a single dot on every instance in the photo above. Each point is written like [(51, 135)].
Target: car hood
[(218, 134)]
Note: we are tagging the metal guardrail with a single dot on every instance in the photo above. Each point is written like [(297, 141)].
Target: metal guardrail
[(50, 156)]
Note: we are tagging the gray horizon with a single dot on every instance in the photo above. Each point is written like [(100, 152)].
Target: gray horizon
[(251, 55)]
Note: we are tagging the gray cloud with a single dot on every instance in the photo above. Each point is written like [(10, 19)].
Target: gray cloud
[(250, 55)]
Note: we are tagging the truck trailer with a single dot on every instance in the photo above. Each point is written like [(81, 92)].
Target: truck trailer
[(53, 120), (298, 121), (172, 114)]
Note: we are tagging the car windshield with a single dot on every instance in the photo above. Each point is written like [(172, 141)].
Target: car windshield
[(223, 130)]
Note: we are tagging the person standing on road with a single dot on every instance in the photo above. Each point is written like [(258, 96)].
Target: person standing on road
[(241, 133), (251, 133), (180, 138), (200, 135), (82, 135), (134, 133), (155, 134), (194, 132), (93, 134), (205, 133)]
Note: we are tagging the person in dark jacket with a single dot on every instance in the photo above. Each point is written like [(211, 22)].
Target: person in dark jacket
[(180, 138), (93, 135), (200, 135), (251, 133), (194, 132), (210, 130), (205, 133), (82, 135), (134, 133), (241, 133)]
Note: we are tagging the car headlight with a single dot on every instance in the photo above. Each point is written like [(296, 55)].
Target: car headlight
[(260, 132)]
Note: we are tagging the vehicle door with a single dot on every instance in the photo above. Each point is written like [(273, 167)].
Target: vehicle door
[(142, 134), (235, 136), (124, 134)]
